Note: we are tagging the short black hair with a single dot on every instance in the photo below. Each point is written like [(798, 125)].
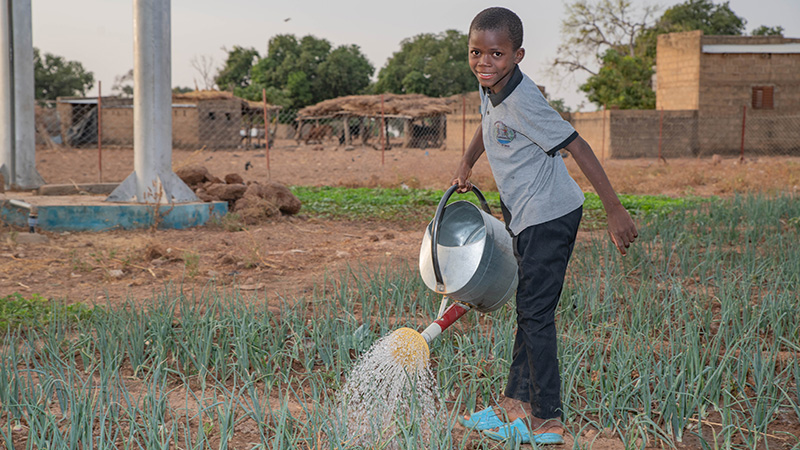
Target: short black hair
[(499, 19)]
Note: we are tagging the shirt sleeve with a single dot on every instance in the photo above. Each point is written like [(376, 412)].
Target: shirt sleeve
[(540, 123)]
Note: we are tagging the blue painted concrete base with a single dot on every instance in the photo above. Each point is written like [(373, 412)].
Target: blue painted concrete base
[(103, 217)]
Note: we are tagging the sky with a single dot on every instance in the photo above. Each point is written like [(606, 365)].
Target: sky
[(99, 33)]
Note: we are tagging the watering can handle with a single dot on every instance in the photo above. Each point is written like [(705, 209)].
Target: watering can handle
[(437, 223)]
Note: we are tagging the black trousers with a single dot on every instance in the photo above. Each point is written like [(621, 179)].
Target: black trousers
[(542, 252)]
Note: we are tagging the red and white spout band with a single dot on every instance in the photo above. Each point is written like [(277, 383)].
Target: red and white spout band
[(451, 314)]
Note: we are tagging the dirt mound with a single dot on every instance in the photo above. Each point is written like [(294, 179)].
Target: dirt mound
[(253, 201)]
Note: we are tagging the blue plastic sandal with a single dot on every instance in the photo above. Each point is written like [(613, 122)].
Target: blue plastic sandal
[(518, 431), (482, 420)]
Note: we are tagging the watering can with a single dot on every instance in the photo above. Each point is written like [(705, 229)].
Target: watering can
[(466, 255)]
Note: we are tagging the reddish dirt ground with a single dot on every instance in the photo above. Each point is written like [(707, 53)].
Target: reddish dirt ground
[(288, 256)]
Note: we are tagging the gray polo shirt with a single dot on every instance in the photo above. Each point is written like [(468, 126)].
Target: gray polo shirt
[(522, 135)]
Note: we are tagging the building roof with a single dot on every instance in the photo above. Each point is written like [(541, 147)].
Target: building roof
[(745, 48), (404, 105)]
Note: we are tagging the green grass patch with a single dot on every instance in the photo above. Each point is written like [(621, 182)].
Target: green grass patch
[(37, 311), (420, 204)]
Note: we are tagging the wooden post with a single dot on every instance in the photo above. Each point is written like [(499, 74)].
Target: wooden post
[(744, 119), (407, 133), (100, 129), (463, 124), (346, 125), (266, 127), (384, 137), (660, 134), (603, 146)]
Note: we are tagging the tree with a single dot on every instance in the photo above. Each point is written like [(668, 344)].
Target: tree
[(764, 30), (623, 81), (236, 71), (432, 64), (688, 16), (297, 73), (56, 77), (123, 84), (591, 28), (204, 65), (346, 71)]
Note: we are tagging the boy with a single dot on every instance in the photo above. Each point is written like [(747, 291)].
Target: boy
[(542, 206)]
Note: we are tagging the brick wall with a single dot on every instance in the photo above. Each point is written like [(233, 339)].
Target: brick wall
[(117, 125), (727, 79), (678, 70), (635, 133)]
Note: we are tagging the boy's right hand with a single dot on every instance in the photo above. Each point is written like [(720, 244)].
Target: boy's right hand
[(461, 178)]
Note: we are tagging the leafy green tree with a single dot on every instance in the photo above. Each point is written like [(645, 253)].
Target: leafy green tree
[(297, 73), (346, 71), (691, 15), (55, 77), (623, 81), (764, 30), (432, 64), (236, 71)]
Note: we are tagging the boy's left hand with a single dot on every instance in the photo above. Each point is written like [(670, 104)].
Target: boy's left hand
[(621, 228)]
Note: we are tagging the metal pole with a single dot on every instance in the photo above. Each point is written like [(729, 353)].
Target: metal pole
[(100, 130), (6, 95), (383, 130), (152, 180), (19, 158)]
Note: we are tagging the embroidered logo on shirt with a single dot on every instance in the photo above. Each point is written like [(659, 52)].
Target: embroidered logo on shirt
[(503, 133)]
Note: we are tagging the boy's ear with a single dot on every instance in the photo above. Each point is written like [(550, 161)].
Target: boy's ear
[(518, 55)]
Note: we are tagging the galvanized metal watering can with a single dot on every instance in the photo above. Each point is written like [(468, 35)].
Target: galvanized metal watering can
[(466, 255)]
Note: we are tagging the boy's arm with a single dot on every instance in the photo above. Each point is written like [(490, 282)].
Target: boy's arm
[(620, 225), (471, 155)]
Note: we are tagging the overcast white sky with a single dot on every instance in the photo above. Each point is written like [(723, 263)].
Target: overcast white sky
[(99, 33)]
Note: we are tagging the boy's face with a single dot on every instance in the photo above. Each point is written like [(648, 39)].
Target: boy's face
[(492, 58)]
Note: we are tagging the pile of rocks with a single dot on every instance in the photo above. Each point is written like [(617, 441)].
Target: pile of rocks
[(252, 200)]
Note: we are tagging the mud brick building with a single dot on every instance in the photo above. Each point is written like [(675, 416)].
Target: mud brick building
[(707, 88), (210, 119)]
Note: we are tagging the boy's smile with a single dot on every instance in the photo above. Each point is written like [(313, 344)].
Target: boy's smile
[(492, 58)]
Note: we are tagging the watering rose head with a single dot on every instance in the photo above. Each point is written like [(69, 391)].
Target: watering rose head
[(409, 349)]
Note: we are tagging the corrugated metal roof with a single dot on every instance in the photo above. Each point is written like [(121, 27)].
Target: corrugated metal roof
[(763, 48)]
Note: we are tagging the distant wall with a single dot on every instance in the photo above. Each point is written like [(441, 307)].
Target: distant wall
[(635, 133)]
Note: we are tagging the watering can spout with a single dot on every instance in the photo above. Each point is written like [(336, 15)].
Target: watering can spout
[(451, 314)]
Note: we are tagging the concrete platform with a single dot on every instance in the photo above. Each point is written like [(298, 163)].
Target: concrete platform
[(89, 212)]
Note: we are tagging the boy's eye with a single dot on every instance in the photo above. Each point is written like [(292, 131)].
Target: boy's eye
[(474, 52), (498, 54)]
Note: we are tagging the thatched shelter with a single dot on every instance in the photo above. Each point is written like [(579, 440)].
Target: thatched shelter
[(418, 119)]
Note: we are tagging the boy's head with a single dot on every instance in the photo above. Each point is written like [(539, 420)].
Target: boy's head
[(495, 47), (499, 19)]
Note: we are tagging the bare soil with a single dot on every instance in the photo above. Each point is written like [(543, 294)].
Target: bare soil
[(286, 257)]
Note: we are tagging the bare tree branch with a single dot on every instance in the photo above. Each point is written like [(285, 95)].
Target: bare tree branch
[(204, 65), (593, 26)]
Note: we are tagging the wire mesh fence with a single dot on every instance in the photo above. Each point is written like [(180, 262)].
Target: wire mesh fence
[(220, 122)]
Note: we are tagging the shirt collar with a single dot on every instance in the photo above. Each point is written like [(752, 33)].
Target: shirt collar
[(513, 82)]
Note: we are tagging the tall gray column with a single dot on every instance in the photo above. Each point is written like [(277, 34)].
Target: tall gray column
[(152, 179), (17, 117)]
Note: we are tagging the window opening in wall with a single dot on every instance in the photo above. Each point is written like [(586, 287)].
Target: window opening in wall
[(228, 117), (763, 97), (211, 115)]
